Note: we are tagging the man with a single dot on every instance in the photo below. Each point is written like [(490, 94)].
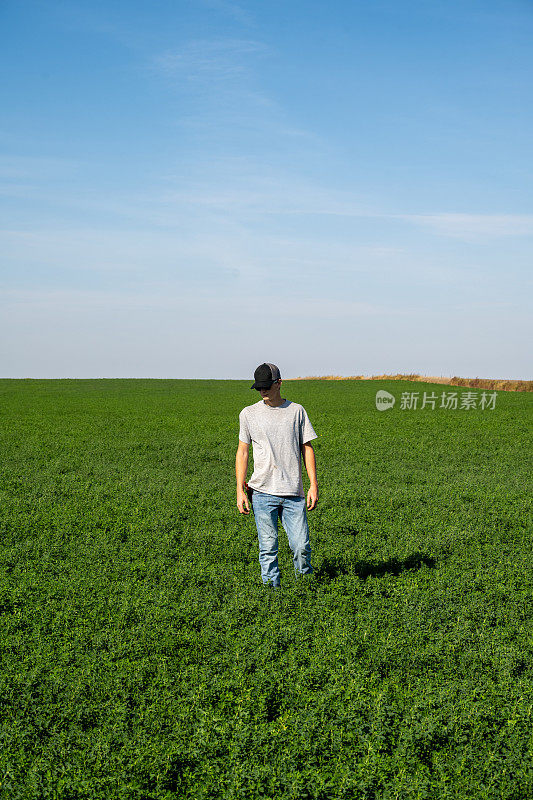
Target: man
[(280, 432)]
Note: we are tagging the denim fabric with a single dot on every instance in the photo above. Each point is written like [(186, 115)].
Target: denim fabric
[(291, 511)]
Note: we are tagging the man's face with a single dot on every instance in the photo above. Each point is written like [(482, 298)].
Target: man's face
[(270, 394)]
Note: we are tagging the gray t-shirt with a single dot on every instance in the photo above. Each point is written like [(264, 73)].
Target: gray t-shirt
[(277, 435)]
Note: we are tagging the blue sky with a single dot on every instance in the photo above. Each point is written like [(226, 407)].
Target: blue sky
[(191, 188)]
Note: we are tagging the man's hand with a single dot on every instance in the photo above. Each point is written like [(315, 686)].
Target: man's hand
[(242, 502), (312, 497)]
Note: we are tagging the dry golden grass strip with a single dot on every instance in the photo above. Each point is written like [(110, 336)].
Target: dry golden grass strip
[(475, 383)]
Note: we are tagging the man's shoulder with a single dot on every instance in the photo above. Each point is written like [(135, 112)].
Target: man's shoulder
[(247, 409), (296, 408)]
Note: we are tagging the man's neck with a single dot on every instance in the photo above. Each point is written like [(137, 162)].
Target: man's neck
[(275, 403)]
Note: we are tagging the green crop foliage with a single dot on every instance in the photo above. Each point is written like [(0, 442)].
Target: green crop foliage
[(142, 659)]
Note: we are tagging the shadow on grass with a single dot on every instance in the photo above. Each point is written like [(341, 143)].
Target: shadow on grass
[(331, 568)]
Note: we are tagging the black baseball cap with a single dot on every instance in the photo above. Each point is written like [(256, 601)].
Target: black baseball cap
[(265, 375)]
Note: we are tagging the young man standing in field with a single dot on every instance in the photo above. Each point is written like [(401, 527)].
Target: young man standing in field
[(281, 433)]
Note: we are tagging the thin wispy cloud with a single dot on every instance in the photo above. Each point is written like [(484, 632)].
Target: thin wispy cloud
[(240, 191), (161, 300), (234, 10), (474, 226), (205, 60), (232, 194), (15, 166)]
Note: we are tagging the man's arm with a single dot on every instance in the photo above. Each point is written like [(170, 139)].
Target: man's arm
[(241, 468), (310, 465)]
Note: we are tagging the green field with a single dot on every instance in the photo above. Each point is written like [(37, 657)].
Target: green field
[(142, 658)]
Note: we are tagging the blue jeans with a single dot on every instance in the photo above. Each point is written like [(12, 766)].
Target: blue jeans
[(292, 513)]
